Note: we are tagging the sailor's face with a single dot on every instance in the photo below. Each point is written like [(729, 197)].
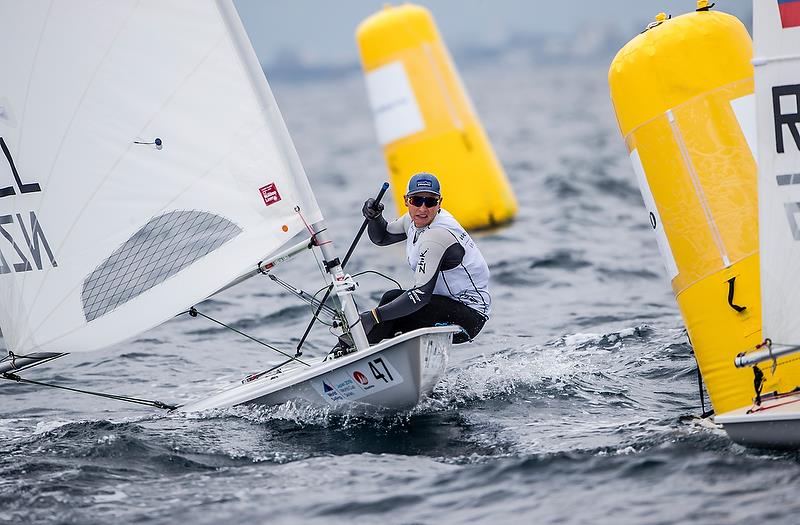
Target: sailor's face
[(418, 208)]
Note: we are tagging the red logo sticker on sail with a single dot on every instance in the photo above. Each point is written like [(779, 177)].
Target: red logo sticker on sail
[(361, 378), (790, 13), (270, 193)]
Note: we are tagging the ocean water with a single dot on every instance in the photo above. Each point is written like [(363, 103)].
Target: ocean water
[(577, 404)]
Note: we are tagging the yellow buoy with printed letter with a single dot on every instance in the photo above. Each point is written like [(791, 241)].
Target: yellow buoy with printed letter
[(683, 95), (425, 120)]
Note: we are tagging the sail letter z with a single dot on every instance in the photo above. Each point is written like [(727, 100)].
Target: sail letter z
[(35, 240), (23, 188)]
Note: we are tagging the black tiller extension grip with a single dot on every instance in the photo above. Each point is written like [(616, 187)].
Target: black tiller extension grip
[(364, 226)]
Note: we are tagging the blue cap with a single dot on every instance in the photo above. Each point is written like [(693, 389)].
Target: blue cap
[(424, 182)]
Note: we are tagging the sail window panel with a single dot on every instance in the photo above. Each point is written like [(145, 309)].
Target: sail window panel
[(161, 248)]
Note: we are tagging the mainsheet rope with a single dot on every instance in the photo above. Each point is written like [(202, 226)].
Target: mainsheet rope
[(128, 399)]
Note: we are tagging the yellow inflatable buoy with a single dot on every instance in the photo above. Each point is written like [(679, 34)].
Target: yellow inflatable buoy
[(683, 95), (425, 120)]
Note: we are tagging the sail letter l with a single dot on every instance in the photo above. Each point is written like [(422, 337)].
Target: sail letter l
[(23, 188)]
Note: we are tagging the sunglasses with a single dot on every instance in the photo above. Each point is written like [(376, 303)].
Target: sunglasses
[(416, 200)]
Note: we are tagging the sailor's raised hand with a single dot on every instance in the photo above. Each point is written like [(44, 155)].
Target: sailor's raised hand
[(371, 209)]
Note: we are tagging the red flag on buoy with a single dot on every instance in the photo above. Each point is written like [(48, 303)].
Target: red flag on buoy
[(790, 13)]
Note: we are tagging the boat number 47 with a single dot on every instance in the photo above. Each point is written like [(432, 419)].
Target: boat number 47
[(380, 371)]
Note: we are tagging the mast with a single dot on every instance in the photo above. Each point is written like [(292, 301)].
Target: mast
[(334, 267)]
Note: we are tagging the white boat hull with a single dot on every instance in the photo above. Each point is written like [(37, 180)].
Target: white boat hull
[(394, 374), (774, 424)]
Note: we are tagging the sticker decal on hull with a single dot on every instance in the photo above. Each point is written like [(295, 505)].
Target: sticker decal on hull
[(357, 380)]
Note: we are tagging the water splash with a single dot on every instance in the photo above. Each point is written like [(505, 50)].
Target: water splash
[(555, 369)]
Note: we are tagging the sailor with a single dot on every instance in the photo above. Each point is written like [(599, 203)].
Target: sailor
[(451, 278)]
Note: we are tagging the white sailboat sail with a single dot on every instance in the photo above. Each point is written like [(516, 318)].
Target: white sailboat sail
[(777, 80), (144, 166)]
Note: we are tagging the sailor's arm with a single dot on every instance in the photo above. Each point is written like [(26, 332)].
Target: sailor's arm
[(439, 251), (380, 232)]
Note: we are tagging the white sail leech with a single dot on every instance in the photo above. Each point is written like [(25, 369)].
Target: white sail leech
[(161, 248), (88, 82)]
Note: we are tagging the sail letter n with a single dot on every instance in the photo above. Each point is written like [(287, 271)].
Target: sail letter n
[(32, 240), (783, 98)]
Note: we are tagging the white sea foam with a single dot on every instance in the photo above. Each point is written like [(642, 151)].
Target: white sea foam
[(43, 427), (117, 495), (506, 371), (107, 439), (581, 339), (558, 364)]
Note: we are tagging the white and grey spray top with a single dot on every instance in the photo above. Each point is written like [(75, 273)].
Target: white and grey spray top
[(443, 250)]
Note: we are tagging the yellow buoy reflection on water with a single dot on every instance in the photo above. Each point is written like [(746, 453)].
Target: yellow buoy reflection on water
[(683, 96), (425, 120)]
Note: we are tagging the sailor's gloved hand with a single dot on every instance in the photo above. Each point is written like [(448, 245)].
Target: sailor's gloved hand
[(371, 209), (369, 320), (345, 286)]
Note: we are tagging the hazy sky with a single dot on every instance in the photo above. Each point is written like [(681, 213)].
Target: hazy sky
[(322, 30)]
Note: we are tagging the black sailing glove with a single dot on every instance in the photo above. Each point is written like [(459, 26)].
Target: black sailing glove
[(368, 321), (371, 210)]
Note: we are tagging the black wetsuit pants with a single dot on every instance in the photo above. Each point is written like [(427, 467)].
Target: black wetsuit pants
[(440, 310)]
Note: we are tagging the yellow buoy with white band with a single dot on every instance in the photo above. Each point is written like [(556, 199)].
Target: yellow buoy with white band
[(683, 96), (425, 120)]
